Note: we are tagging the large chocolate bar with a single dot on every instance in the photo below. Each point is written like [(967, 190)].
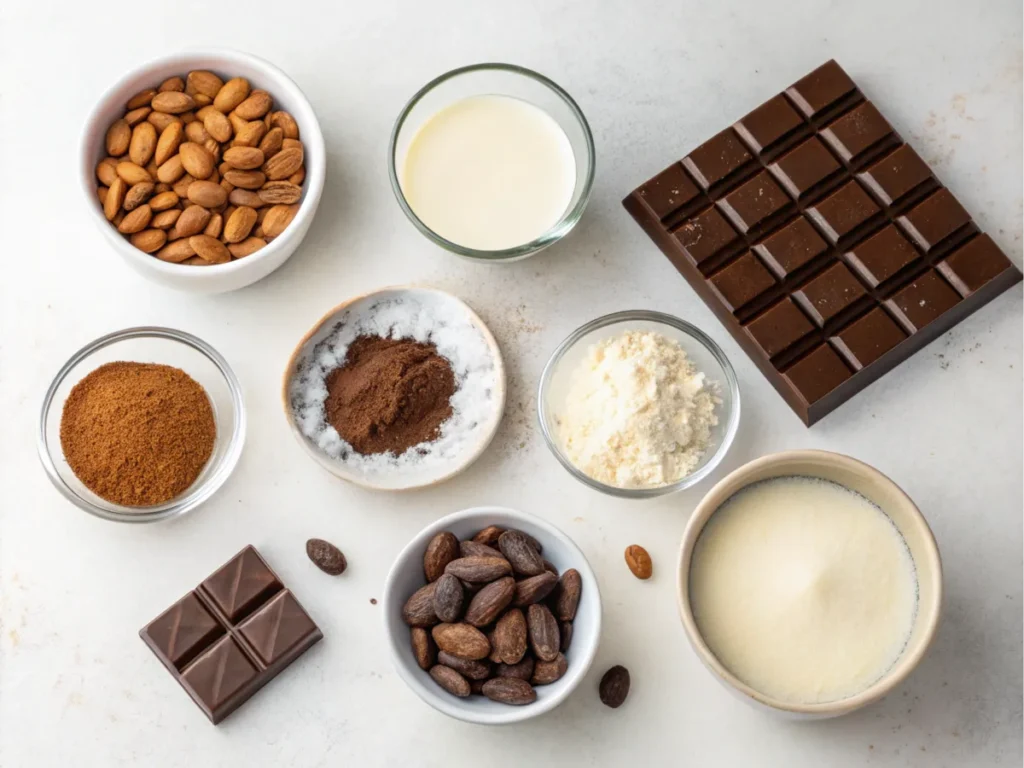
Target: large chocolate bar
[(821, 240), (232, 635)]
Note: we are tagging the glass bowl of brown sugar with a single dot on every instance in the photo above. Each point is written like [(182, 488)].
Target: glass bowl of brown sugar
[(141, 425)]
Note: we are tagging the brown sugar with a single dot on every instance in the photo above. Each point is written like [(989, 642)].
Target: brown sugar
[(137, 434), (390, 394)]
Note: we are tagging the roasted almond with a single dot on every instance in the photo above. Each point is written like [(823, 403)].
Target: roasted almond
[(210, 248), (136, 116), (247, 247), (418, 610), (509, 641), (160, 120), (423, 648), (115, 198), (176, 252), (286, 123), (441, 550), (462, 640), (171, 170), (298, 177), (215, 226), (136, 221), (231, 94), (291, 144), (166, 219), (172, 102), (141, 99), (280, 192), (244, 158), (543, 632), (450, 680), (119, 136), (239, 224), (489, 602), (203, 81), (283, 164), (137, 194), (192, 221), (149, 240), (168, 143), (255, 106), (475, 570), (509, 690), (196, 159), (217, 125), (246, 179), (277, 220), (250, 134), (106, 171), (172, 84), (196, 133), (207, 194), (163, 201), (246, 197), (181, 186), (132, 173), (270, 145)]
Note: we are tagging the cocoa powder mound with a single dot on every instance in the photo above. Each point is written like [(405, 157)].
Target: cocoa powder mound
[(137, 434), (390, 394)]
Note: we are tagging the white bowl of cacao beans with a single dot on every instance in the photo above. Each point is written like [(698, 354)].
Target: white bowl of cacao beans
[(217, 130), (493, 615)]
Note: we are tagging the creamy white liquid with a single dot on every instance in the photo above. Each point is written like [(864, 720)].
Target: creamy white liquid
[(489, 172), (803, 589)]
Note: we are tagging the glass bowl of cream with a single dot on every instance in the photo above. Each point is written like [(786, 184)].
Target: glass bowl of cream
[(639, 404), (809, 583), (492, 162)]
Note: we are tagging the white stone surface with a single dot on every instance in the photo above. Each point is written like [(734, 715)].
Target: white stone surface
[(78, 687)]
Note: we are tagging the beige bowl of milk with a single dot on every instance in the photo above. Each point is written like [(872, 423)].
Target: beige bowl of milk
[(809, 583)]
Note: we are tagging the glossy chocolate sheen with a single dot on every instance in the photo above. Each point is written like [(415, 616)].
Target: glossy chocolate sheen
[(822, 241), (232, 635)]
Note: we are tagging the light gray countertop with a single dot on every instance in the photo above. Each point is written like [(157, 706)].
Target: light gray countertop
[(78, 687)]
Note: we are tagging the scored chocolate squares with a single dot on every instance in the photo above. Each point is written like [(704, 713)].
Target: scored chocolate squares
[(232, 635), (826, 246)]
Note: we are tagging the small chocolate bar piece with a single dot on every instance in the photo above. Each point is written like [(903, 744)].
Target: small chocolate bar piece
[(825, 244), (232, 635)]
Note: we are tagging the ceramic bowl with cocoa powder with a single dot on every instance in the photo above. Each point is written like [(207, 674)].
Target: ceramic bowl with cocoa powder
[(425, 315)]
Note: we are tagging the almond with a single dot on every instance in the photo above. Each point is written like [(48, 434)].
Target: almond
[(244, 158), (171, 170), (286, 123), (250, 134), (196, 159), (163, 201), (114, 199), (196, 261), (277, 192), (168, 143), (137, 194), (247, 247), (245, 197), (101, 193), (161, 120), (462, 640), (106, 171), (143, 144), (204, 82), (172, 102), (166, 219), (192, 221), (141, 99), (119, 135), (272, 142), (210, 248), (283, 164), (136, 221), (196, 133), (171, 84), (441, 550), (291, 144), (216, 225), (181, 185), (149, 240), (246, 179), (237, 123), (132, 173), (207, 194), (217, 125), (256, 105), (231, 94), (299, 176), (176, 252), (136, 116), (240, 224), (211, 146)]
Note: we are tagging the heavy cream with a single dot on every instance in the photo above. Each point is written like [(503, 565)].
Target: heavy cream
[(803, 589), (489, 172)]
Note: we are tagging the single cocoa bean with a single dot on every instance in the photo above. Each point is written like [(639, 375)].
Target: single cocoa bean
[(534, 589), (543, 632), (325, 556), (418, 610), (448, 598), (479, 569), (489, 602), (614, 686), (509, 690), (547, 672), (441, 550), (565, 598), (450, 680), (517, 549), (565, 630), (523, 670), (510, 635), (489, 535), (473, 670), (639, 561), (475, 549), (423, 648), (476, 687), (462, 640)]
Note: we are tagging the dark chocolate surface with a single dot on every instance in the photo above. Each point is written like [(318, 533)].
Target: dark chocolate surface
[(821, 240), (233, 634)]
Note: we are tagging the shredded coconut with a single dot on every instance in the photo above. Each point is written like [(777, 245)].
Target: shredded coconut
[(444, 323), (638, 413)]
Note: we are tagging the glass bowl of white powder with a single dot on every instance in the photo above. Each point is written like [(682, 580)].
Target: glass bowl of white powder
[(639, 404)]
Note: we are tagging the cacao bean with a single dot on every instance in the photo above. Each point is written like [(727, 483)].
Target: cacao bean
[(543, 632), (441, 550), (448, 598)]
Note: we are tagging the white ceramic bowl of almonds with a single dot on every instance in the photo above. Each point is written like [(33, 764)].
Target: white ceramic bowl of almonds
[(407, 576), (226, 64)]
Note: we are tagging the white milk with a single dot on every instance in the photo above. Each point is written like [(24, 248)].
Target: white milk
[(489, 172), (803, 589)]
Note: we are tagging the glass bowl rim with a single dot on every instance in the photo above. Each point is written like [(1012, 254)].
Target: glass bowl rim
[(201, 491), (650, 316), (565, 223)]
